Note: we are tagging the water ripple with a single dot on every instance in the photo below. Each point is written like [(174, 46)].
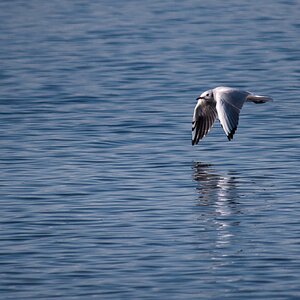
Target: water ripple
[(102, 194)]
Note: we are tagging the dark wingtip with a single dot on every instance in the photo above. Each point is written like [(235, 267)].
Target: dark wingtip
[(230, 135), (194, 142)]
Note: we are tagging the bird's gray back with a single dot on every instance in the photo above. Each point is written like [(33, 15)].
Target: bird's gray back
[(233, 96)]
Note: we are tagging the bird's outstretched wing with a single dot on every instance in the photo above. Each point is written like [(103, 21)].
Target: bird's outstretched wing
[(204, 116), (228, 106)]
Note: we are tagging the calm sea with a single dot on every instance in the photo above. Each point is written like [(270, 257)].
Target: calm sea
[(102, 195)]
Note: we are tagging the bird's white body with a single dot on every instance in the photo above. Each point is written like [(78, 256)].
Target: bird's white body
[(224, 103)]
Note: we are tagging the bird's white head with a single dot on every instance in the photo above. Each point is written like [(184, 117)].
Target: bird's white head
[(207, 95)]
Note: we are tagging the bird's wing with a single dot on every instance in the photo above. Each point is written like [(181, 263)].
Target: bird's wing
[(204, 116), (228, 106)]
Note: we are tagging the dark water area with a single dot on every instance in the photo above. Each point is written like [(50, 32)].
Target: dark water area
[(102, 195)]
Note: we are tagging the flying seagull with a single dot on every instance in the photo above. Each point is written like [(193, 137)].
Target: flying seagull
[(224, 103)]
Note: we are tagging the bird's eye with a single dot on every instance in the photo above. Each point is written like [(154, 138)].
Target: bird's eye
[(207, 95)]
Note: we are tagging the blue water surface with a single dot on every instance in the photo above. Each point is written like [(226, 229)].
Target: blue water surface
[(102, 195)]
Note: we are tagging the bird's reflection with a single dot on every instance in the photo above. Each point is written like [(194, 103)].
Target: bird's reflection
[(219, 199), (213, 188)]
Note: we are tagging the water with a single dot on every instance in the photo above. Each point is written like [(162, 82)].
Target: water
[(102, 194)]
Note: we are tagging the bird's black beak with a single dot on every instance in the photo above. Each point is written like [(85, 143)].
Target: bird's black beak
[(199, 98)]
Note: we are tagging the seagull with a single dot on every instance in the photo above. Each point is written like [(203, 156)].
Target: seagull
[(224, 103)]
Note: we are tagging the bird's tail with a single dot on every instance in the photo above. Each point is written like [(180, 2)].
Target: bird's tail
[(258, 99)]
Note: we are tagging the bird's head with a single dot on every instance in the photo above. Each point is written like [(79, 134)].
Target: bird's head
[(207, 95)]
